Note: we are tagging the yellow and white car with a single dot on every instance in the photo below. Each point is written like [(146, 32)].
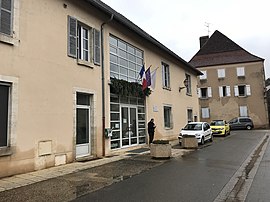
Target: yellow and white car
[(220, 127)]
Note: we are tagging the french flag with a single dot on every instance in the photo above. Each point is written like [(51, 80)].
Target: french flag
[(145, 77)]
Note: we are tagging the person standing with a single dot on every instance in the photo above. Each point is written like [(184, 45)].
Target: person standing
[(151, 130)]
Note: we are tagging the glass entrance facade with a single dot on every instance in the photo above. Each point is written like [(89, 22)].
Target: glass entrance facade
[(127, 121)]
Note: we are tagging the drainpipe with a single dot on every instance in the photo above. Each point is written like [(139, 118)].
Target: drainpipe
[(103, 85)]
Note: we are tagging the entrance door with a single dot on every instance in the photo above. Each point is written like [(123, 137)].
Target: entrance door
[(83, 146), (129, 126)]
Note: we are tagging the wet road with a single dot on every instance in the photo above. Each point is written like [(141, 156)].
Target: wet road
[(207, 174)]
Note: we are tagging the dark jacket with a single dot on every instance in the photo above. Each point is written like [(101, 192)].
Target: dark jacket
[(151, 127)]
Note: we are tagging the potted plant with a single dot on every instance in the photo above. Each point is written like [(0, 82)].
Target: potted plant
[(160, 149)]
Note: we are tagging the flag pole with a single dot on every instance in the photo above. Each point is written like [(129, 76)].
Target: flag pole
[(154, 70)]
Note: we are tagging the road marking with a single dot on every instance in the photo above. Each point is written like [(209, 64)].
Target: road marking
[(238, 186)]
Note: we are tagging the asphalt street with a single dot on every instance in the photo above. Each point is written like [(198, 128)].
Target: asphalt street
[(201, 175), (232, 168)]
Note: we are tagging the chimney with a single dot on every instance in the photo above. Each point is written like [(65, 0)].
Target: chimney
[(203, 40)]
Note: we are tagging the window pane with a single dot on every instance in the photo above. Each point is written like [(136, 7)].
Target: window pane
[(115, 117), (241, 90), (113, 50), (115, 107), (141, 110), (123, 62), (142, 140), (139, 61), (4, 99), (139, 53), (132, 66), (131, 73), (167, 117), (113, 58), (115, 135), (114, 67), (82, 130), (114, 75), (122, 45), (115, 144), (123, 70), (122, 53), (113, 41), (131, 50), (131, 57), (83, 99), (115, 99)]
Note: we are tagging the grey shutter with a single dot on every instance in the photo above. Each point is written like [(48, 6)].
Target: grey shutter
[(199, 92), (96, 46), (6, 17), (220, 91), (72, 37), (228, 90), (209, 91), (163, 75), (248, 90), (236, 91), (168, 83)]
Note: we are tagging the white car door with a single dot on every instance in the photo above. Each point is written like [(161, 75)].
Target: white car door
[(207, 131)]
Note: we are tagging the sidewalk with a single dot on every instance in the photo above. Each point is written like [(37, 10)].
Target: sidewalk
[(21, 180)]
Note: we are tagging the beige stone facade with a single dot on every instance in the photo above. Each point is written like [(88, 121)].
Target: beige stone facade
[(228, 106), (51, 94), (233, 83)]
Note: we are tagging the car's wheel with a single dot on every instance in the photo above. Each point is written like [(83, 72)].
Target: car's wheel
[(248, 127), (202, 141)]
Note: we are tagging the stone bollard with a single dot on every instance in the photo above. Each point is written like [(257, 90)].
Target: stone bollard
[(189, 142)]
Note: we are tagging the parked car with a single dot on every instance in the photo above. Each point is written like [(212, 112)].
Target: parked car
[(220, 127), (241, 123), (200, 130)]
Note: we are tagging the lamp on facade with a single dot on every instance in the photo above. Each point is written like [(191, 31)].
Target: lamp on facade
[(185, 82)]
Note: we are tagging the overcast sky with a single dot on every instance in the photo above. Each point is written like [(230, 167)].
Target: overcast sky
[(178, 24)]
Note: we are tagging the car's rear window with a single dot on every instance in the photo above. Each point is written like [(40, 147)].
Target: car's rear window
[(193, 126), (217, 123)]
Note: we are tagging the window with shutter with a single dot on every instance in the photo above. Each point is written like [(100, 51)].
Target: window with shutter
[(240, 71), (243, 111), (221, 73), (203, 93), (205, 113), (188, 87), (83, 42), (204, 76), (166, 75), (6, 7)]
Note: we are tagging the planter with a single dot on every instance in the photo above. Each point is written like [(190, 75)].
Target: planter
[(189, 142), (160, 150)]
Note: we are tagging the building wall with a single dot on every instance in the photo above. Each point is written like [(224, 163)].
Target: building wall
[(45, 81), (179, 101), (228, 107)]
